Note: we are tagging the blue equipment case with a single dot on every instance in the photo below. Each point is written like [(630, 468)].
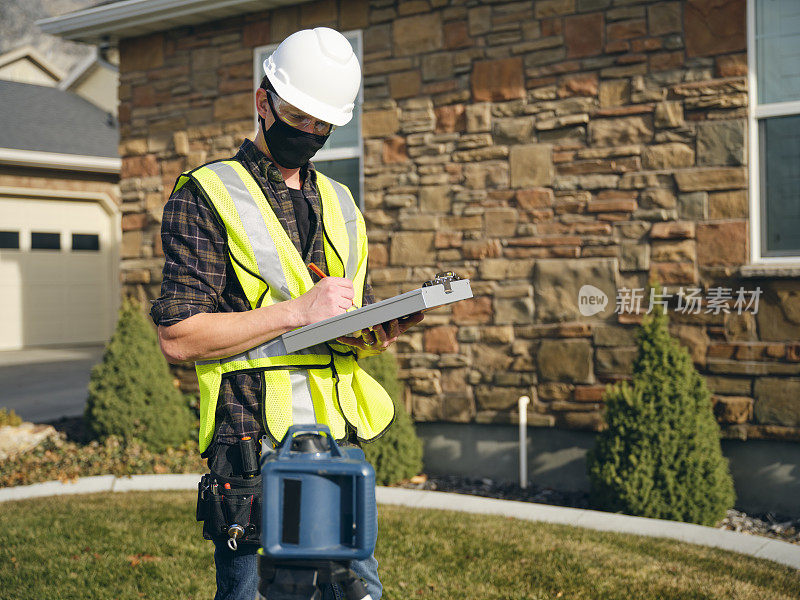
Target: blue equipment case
[(325, 501)]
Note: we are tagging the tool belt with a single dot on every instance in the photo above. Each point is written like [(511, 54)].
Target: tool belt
[(230, 509)]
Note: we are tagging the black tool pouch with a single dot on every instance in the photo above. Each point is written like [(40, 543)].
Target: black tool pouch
[(232, 511)]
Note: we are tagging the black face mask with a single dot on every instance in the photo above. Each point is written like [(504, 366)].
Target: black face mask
[(291, 148)]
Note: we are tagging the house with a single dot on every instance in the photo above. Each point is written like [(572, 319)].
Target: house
[(27, 65), (561, 154), (59, 218)]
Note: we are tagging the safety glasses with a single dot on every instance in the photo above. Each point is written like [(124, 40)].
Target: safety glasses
[(294, 117)]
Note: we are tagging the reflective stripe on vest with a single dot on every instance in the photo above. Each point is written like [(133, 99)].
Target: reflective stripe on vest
[(322, 383)]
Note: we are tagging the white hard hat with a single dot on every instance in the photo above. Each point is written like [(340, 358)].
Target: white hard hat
[(316, 71)]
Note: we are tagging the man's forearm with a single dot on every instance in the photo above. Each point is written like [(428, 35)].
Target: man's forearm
[(215, 335)]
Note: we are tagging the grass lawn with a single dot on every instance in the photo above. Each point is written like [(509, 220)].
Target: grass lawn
[(148, 545)]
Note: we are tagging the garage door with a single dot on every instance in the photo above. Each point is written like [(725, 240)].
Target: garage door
[(57, 272)]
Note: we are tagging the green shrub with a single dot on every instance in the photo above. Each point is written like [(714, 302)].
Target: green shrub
[(397, 454), (131, 394), (660, 455), (9, 417)]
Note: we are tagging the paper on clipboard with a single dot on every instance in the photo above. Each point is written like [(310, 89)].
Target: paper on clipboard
[(380, 312)]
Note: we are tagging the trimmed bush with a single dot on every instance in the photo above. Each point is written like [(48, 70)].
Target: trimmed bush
[(9, 417), (131, 392), (397, 454), (660, 455)]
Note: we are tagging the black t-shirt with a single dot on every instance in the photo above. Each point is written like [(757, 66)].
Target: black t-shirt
[(305, 216)]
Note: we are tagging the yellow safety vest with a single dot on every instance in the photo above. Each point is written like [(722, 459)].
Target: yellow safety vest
[(324, 382)]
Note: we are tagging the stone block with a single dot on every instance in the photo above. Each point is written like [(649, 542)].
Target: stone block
[(712, 28), (456, 35), (553, 391), (615, 361), (394, 150), (450, 118), (737, 386), (673, 230), (669, 251), (479, 117), (131, 246), (733, 409), (634, 256), (778, 314), (710, 179), (728, 205), (535, 198), (721, 143), (479, 20), (514, 130), (490, 359), (557, 283), (405, 84), (673, 273), (410, 248), (417, 34), (668, 114), (582, 84), (531, 165), (694, 339), (693, 205), (498, 80), (583, 35), (437, 66), (614, 336), (657, 198), (777, 401), (500, 222), (441, 340), (514, 311), (473, 311), (498, 398), (139, 166), (723, 243), (668, 156), (141, 53), (621, 131), (553, 8), (480, 249), (321, 12), (354, 14), (615, 92), (380, 123), (425, 408), (568, 361), (732, 65), (664, 18), (435, 198)]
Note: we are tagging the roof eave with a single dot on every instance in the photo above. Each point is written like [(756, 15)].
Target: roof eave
[(131, 18), (59, 161)]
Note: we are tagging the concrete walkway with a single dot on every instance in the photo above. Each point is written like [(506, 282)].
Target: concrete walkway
[(761, 547)]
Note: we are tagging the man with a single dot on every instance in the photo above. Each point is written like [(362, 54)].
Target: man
[(238, 237)]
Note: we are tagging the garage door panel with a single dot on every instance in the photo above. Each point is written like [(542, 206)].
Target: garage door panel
[(60, 296)]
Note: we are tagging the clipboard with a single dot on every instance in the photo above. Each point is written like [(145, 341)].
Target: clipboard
[(408, 303)]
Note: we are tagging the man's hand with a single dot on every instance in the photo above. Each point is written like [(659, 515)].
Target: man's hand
[(380, 337), (330, 297)]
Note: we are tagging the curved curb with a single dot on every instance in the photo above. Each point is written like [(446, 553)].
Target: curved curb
[(742, 543)]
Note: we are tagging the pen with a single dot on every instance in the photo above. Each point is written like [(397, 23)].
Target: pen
[(316, 270)]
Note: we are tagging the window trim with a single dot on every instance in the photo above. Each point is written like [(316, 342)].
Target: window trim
[(333, 153), (754, 114)]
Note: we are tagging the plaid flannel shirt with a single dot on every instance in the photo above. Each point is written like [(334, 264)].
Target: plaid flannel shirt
[(198, 276)]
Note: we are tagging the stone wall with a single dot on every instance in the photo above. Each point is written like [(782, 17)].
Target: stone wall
[(534, 147)]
